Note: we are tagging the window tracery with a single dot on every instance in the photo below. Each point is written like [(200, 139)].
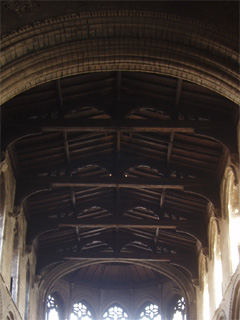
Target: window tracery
[(180, 312), (52, 308), (115, 313), (81, 312), (150, 312)]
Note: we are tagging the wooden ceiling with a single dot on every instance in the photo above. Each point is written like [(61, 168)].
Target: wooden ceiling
[(118, 164), (112, 275)]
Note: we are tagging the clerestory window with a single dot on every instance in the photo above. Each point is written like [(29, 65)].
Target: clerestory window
[(52, 309), (150, 312), (81, 312), (180, 312), (115, 313)]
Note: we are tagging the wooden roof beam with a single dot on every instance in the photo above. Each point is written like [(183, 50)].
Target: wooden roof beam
[(127, 223), (224, 133), (27, 186), (113, 182), (112, 125)]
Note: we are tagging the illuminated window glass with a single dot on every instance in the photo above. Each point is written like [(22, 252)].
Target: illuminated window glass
[(180, 312), (115, 313), (52, 309), (81, 312), (151, 311)]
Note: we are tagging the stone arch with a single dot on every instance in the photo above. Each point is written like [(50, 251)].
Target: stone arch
[(144, 299), (213, 235), (235, 301), (221, 315), (62, 295), (202, 269), (203, 282), (230, 206), (100, 41), (229, 185), (10, 316), (169, 301), (87, 299), (57, 296), (9, 313), (169, 271), (215, 256)]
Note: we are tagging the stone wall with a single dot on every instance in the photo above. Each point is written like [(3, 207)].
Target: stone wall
[(225, 239), (101, 299), (73, 44), (119, 40), (14, 254), (7, 306)]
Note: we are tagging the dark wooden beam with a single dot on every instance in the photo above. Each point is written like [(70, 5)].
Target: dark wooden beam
[(125, 163), (122, 255), (32, 184), (127, 223), (128, 256), (170, 147), (221, 132), (185, 261), (111, 125), (61, 114), (27, 186), (112, 182)]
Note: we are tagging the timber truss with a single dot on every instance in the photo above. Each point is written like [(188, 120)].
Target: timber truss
[(119, 165)]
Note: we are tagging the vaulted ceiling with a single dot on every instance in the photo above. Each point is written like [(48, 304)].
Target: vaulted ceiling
[(119, 164)]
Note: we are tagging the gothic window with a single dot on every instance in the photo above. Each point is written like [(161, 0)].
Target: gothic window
[(10, 316), (180, 312), (115, 313), (150, 312), (52, 308), (81, 312)]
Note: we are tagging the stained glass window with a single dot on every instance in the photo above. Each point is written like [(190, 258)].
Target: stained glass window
[(81, 312), (150, 312), (115, 313)]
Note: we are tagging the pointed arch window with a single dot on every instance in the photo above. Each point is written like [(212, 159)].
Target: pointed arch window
[(115, 312), (180, 310), (150, 312), (52, 309), (81, 312)]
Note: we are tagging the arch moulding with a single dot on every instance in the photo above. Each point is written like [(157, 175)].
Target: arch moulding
[(235, 300), (119, 40), (169, 271)]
